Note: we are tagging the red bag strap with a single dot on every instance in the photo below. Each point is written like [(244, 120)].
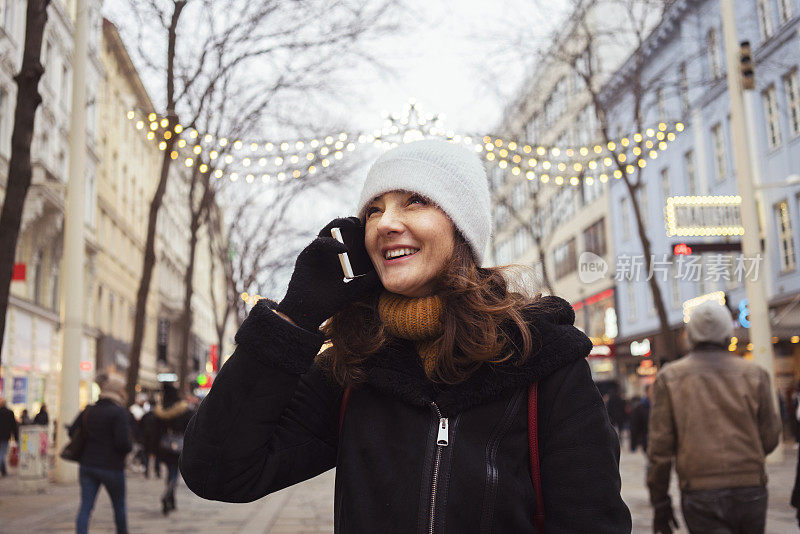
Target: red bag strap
[(533, 447), (343, 406)]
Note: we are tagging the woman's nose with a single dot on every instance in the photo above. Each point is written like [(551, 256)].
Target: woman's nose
[(391, 221)]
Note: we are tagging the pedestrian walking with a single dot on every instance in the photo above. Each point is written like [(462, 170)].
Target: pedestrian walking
[(150, 436), (615, 405), (639, 419), (173, 416), (24, 418), (8, 429), (425, 399), (41, 418), (713, 411), (108, 441)]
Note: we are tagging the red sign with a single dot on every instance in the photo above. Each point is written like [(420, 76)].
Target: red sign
[(18, 273), (86, 365), (682, 249), (213, 355)]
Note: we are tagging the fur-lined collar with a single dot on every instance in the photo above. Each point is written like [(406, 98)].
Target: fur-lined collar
[(176, 410), (397, 371)]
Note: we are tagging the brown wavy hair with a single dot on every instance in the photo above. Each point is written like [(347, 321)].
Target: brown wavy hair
[(484, 322)]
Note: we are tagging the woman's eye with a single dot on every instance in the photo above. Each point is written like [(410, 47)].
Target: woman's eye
[(417, 199), (371, 210)]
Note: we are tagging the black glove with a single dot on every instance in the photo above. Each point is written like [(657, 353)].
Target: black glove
[(317, 289), (663, 518)]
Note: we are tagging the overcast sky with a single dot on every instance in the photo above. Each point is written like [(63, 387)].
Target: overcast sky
[(455, 57)]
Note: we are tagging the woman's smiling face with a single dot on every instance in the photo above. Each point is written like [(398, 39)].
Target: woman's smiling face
[(409, 240)]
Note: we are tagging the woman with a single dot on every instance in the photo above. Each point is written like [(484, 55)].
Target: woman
[(108, 441), (173, 415), (437, 363)]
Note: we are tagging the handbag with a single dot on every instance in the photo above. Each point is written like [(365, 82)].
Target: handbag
[(171, 442), (74, 449)]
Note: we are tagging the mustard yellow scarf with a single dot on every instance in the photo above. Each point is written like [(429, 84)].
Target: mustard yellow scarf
[(418, 319)]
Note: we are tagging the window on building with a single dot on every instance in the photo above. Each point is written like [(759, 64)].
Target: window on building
[(36, 280), (564, 258), (785, 235), (718, 146), (641, 199), (675, 288), (665, 184), (764, 19), (714, 54), (624, 211), (784, 10), (631, 294), (661, 106), (8, 15), (594, 237), (684, 88), (691, 175), (792, 85), (772, 117), (65, 89)]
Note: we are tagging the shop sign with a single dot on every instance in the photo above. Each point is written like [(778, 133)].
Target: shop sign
[(640, 348), (646, 368), (602, 351), (19, 390), (704, 216)]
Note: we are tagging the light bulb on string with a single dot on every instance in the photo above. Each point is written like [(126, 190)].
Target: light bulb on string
[(131, 115), (139, 125), (237, 145), (150, 136), (223, 142), (167, 135), (178, 128), (213, 154), (152, 117), (181, 143)]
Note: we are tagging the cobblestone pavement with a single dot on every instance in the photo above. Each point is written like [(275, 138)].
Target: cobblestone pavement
[(303, 509)]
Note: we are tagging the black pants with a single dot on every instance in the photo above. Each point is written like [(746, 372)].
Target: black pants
[(725, 510)]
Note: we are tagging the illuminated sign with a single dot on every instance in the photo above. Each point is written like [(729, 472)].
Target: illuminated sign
[(640, 348), (704, 216), (86, 366), (682, 249), (744, 313), (167, 377)]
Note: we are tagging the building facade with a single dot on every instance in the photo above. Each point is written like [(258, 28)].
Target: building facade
[(545, 218), (32, 346), (683, 79)]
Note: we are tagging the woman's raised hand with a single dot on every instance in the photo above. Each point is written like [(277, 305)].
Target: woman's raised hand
[(317, 289)]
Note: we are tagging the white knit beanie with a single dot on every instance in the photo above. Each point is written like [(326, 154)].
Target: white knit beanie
[(450, 175), (710, 322)]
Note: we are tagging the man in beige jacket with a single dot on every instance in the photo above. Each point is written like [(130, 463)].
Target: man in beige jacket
[(712, 411)]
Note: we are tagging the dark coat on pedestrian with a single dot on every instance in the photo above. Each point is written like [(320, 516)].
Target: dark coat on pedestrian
[(42, 418), (150, 431), (8, 425), (108, 435), (640, 415), (173, 419), (272, 420)]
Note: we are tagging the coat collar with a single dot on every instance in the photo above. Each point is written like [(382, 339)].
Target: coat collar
[(397, 371)]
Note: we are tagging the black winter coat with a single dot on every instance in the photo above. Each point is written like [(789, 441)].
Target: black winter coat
[(171, 419), (271, 420), (8, 425), (109, 436)]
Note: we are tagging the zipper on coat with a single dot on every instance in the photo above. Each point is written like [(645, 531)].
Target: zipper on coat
[(442, 440)]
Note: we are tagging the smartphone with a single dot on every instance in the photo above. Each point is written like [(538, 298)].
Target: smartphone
[(355, 262)]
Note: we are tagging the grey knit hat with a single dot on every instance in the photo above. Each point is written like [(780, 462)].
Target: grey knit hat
[(710, 322), (450, 175)]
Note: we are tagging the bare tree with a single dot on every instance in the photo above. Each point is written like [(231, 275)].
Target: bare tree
[(19, 168), (261, 48), (602, 35)]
